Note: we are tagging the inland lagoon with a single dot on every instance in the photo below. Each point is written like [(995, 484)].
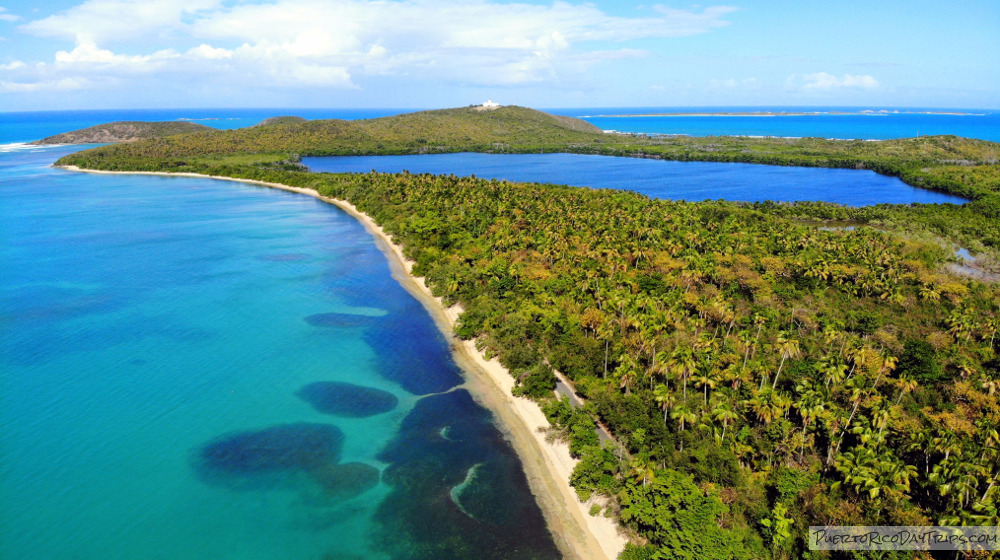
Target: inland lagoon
[(673, 180)]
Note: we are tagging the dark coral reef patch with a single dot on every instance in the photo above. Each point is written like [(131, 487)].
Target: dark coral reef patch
[(300, 446), (347, 399)]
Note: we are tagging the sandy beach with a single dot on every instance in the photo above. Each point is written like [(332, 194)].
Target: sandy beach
[(548, 466)]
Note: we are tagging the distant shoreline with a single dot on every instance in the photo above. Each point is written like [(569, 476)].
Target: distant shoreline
[(883, 112), (547, 465)]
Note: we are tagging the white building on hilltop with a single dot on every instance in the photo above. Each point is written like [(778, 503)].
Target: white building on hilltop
[(490, 104)]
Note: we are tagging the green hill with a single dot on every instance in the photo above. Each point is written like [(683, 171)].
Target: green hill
[(123, 131), (448, 130)]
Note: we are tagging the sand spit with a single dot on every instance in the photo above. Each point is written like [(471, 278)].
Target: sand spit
[(548, 465)]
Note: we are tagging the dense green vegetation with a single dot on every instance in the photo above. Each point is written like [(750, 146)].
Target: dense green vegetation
[(124, 131), (280, 120), (760, 374)]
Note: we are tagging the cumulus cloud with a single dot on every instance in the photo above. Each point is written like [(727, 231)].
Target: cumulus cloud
[(821, 81), (88, 53), (321, 43), (103, 21)]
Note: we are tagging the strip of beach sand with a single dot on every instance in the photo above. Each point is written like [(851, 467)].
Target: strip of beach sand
[(547, 465)]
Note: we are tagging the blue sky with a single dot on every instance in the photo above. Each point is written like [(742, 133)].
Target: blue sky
[(96, 54)]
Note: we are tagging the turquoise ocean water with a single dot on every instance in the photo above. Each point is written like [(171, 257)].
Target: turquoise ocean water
[(202, 369), (174, 364), (867, 123)]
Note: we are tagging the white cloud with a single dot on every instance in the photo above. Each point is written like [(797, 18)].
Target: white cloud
[(822, 81), (4, 16), (208, 52), (63, 84), (733, 83), (102, 21), (288, 43), (89, 53)]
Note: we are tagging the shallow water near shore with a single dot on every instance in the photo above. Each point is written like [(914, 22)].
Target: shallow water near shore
[(163, 342)]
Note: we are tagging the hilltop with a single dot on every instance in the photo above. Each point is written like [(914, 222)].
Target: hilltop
[(508, 128), (281, 120), (123, 131)]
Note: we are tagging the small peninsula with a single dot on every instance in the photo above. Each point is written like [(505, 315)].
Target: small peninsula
[(760, 369), (124, 131)]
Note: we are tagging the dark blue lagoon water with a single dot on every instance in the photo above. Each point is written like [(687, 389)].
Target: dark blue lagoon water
[(672, 180), (174, 360)]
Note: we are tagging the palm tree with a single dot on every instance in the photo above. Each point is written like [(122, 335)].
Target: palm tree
[(661, 366), (725, 414), (747, 342), (683, 416), (888, 364), (706, 381), (764, 407), (789, 348), (665, 398), (626, 372), (643, 469), (683, 364)]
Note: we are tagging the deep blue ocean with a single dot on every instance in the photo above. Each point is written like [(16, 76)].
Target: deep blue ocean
[(192, 368), (828, 122)]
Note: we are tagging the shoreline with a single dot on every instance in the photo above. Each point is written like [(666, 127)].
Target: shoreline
[(864, 113), (547, 466)]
